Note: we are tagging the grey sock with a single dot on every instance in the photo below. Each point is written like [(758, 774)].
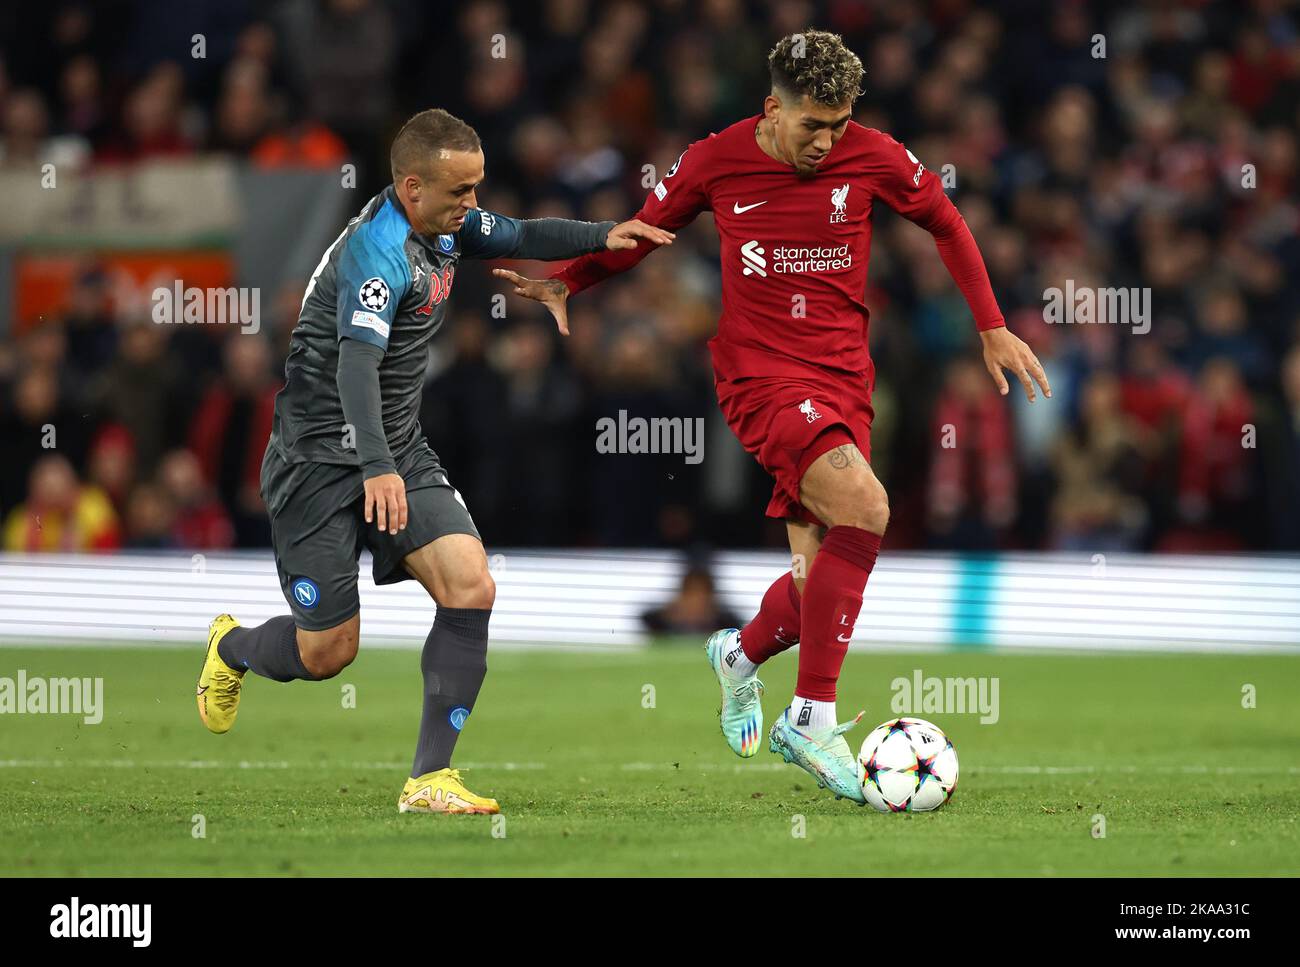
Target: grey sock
[(269, 650), (454, 663)]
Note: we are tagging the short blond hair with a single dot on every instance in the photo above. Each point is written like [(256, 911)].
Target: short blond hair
[(421, 138)]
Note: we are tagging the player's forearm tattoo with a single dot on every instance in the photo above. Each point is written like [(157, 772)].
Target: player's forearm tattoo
[(843, 457), (556, 288)]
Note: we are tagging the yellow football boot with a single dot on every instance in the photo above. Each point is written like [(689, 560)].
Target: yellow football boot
[(219, 684), (443, 792)]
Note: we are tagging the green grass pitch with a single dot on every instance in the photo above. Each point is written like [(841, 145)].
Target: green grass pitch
[(593, 782)]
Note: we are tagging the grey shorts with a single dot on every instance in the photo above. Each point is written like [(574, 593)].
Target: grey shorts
[(318, 529)]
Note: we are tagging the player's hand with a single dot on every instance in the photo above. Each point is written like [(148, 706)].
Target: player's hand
[(1004, 350), (625, 235), (551, 293), (386, 502)]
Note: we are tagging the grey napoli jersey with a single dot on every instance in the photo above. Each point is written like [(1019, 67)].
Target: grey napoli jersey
[(382, 283)]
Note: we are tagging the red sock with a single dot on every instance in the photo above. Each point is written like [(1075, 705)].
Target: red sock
[(832, 598), (776, 626)]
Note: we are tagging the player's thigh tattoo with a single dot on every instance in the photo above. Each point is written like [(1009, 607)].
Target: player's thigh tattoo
[(845, 457)]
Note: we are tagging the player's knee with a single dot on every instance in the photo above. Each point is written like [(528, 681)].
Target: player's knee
[(329, 653), (475, 589), (875, 515), (862, 504)]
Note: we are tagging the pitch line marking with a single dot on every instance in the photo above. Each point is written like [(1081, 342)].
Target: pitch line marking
[(244, 764), (623, 766)]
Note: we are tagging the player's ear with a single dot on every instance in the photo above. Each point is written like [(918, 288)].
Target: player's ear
[(771, 106)]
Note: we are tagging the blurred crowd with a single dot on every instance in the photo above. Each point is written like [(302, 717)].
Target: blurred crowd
[(1148, 145)]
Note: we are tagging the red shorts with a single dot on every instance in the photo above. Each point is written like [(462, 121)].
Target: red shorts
[(788, 422)]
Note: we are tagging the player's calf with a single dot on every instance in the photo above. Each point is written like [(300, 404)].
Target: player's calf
[(453, 569), (270, 650), (326, 653)]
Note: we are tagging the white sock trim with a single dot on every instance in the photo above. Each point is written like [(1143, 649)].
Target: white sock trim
[(735, 663), (812, 715)]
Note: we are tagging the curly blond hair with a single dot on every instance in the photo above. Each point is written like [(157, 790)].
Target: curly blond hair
[(816, 63)]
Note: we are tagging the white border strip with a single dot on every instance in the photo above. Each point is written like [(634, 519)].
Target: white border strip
[(592, 600)]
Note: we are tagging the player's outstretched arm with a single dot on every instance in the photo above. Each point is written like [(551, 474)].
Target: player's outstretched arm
[(488, 235), (551, 293), (554, 294), (625, 235), (672, 204)]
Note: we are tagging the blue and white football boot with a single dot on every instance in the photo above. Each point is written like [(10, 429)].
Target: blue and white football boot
[(741, 714), (824, 755)]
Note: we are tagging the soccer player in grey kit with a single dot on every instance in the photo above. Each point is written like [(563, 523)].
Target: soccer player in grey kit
[(348, 466)]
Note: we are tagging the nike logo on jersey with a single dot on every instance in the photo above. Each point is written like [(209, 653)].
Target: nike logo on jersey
[(739, 209)]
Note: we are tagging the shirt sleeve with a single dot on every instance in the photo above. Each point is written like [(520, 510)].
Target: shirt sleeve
[(673, 203), (489, 235), (373, 278), (358, 383), (903, 183)]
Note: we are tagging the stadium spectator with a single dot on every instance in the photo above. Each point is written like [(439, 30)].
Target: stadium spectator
[(972, 489), (60, 513), (229, 432), (1280, 444), (150, 517), (1098, 468), (88, 318), (144, 390), (541, 410), (152, 124), (1216, 462), (201, 520), (464, 409), (36, 420), (693, 610), (112, 466), (26, 141)]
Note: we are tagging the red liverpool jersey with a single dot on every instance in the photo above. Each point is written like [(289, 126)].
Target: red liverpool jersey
[(795, 249)]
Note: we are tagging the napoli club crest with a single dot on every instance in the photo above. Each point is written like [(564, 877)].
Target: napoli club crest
[(306, 593)]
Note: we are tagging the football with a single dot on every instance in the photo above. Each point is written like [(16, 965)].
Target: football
[(908, 765)]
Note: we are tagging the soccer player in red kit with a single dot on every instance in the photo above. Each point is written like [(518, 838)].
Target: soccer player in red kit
[(792, 192)]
